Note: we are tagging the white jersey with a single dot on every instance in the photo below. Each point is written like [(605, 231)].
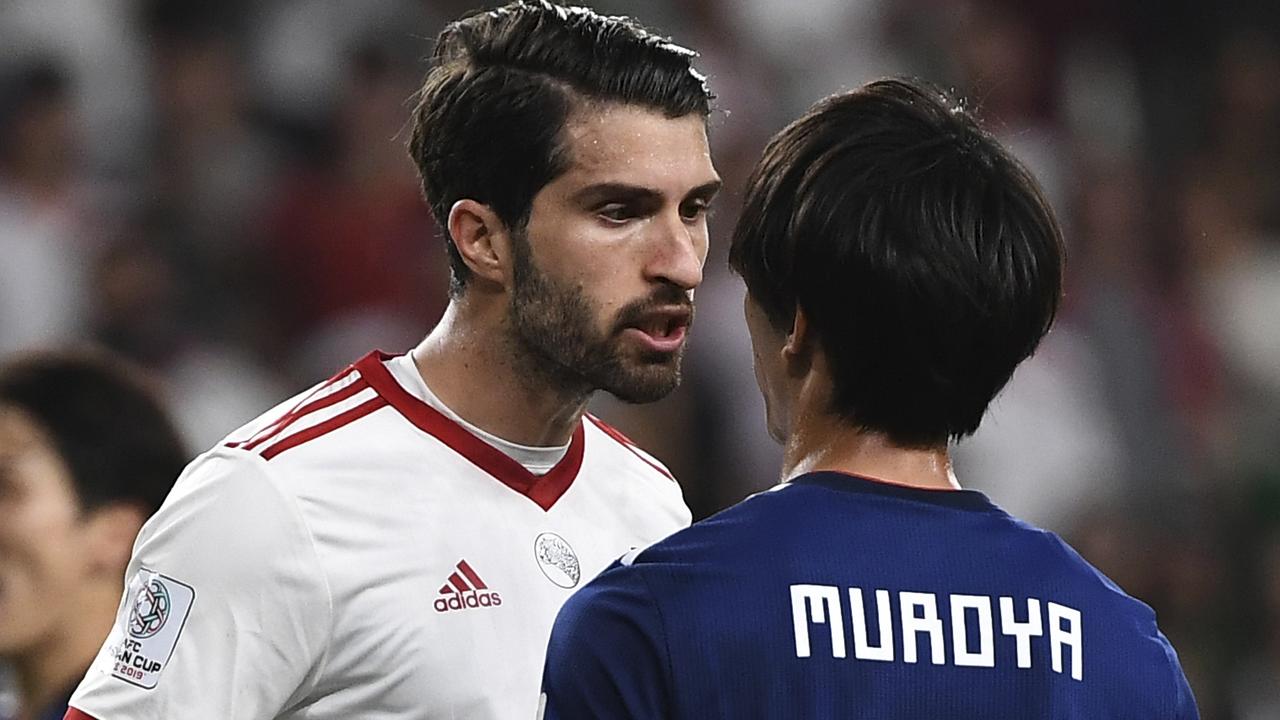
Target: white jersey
[(357, 554)]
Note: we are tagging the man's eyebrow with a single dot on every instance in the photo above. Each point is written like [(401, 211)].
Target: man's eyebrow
[(625, 192), (707, 190), (614, 191)]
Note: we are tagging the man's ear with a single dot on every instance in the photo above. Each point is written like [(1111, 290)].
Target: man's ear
[(482, 240), (109, 534), (797, 351)]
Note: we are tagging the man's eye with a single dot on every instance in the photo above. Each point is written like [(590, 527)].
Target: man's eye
[(694, 210), (616, 213)]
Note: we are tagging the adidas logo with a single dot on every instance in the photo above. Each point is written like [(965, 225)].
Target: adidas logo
[(465, 590)]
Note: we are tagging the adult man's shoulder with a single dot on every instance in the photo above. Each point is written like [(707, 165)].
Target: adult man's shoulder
[(194, 629)]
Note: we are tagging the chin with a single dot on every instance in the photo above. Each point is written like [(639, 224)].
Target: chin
[(645, 385)]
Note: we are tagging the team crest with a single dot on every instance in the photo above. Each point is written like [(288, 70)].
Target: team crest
[(557, 560)]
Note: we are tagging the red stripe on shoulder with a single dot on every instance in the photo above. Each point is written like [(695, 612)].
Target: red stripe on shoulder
[(74, 714), (325, 427), (293, 416), (627, 443), (292, 413)]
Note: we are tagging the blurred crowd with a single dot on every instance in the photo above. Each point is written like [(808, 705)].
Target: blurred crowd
[(219, 190)]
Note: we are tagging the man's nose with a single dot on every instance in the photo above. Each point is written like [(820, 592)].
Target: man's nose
[(677, 256)]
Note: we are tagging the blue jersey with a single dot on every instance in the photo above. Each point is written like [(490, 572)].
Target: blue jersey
[(834, 596)]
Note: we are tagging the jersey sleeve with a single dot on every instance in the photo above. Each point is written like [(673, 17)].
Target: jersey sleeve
[(1184, 702), (608, 655), (226, 611)]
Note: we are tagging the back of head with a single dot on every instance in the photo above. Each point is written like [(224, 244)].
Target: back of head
[(502, 85), (923, 254), (105, 422)]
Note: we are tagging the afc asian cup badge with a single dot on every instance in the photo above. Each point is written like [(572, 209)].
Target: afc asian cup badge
[(557, 560), (150, 610)]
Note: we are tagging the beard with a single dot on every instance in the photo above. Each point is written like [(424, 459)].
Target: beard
[(555, 336)]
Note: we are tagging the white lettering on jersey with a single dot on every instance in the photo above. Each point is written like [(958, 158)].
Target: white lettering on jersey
[(986, 654), (1059, 637), (913, 624), (823, 602), (972, 643), (1024, 631), (861, 648)]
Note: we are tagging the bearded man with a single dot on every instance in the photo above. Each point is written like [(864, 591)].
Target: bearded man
[(396, 541)]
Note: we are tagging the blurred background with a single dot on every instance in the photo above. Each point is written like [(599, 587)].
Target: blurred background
[(219, 190)]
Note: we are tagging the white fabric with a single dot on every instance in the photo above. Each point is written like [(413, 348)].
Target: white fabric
[(318, 574)]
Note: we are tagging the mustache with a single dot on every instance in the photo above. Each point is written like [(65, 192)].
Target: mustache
[(664, 298)]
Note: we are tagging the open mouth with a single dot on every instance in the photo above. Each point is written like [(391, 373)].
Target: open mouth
[(662, 331), (663, 327)]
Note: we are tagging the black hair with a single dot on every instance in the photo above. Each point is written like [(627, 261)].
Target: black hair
[(104, 420), (923, 253), (501, 86)]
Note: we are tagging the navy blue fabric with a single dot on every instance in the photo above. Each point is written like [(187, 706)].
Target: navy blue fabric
[(713, 622)]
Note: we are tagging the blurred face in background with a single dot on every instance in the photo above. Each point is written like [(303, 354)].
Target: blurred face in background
[(604, 272), (44, 549)]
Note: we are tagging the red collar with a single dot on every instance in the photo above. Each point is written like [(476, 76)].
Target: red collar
[(544, 490)]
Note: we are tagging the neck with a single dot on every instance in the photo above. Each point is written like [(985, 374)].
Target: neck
[(472, 369), (824, 442), (49, 670)]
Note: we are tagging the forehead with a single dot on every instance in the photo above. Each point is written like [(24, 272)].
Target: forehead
[(637, 146)]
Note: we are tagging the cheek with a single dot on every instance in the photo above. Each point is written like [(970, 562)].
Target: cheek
[(602, 282), (43, 541), (762, 376), (576, 254), (766, 363), (602, 267), (773, 411), (42, 565), (41, 537)]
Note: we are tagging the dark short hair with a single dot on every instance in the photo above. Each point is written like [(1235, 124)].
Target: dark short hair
[(104, 420), (501, 86), (923, 253)]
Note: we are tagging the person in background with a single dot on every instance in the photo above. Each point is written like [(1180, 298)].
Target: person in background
[(87, 454)]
